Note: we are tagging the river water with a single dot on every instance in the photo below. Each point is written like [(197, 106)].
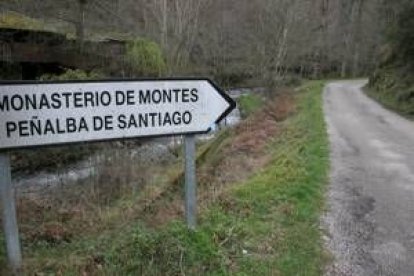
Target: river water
[(158, 149)]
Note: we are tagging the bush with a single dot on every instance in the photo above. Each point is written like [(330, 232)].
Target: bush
[(144, 58)]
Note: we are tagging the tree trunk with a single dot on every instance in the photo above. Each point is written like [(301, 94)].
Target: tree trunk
[(356, 18), (343, 68), (164, 27), (281, 51), (80, 26)]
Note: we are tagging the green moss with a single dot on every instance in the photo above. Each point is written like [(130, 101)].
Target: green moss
[(19, 21)]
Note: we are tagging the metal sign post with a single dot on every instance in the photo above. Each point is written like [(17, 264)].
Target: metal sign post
[(11, 232), (190, 181)]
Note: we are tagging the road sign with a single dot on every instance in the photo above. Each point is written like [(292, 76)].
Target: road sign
[(35, 114)]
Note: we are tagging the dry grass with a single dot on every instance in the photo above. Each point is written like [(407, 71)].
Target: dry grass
[(125, 191), (226, 164), (119, 192)]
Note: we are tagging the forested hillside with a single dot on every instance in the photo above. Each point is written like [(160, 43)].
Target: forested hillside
[(233, 41), (393, 82)]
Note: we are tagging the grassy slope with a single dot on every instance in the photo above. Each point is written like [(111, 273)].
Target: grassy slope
[(249, 104), (389, 100), (268, 225), (393, 87), (286, 198)]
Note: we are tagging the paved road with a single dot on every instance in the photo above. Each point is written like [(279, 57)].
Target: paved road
[(370, 220)]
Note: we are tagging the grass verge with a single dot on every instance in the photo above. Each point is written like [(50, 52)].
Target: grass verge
[(266, 225), (249, 103), (390, 100), (393, 88)]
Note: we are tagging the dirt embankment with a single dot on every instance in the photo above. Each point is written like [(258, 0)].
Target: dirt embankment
[(129, 190), (232, 157)]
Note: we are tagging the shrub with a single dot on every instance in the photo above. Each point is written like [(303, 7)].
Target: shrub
[(402, 35), (144, 58)]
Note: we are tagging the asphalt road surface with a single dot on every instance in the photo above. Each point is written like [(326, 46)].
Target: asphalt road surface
[(370, 217)]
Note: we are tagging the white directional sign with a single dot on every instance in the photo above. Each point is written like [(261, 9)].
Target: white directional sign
[(34, 114)]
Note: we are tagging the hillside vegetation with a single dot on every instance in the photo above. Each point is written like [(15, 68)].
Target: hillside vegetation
[(236, 42), (393, 82)]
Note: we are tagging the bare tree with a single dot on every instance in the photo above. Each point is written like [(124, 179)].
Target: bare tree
[(262, 39)]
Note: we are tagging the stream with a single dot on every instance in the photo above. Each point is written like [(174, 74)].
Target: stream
[(38, 184)]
